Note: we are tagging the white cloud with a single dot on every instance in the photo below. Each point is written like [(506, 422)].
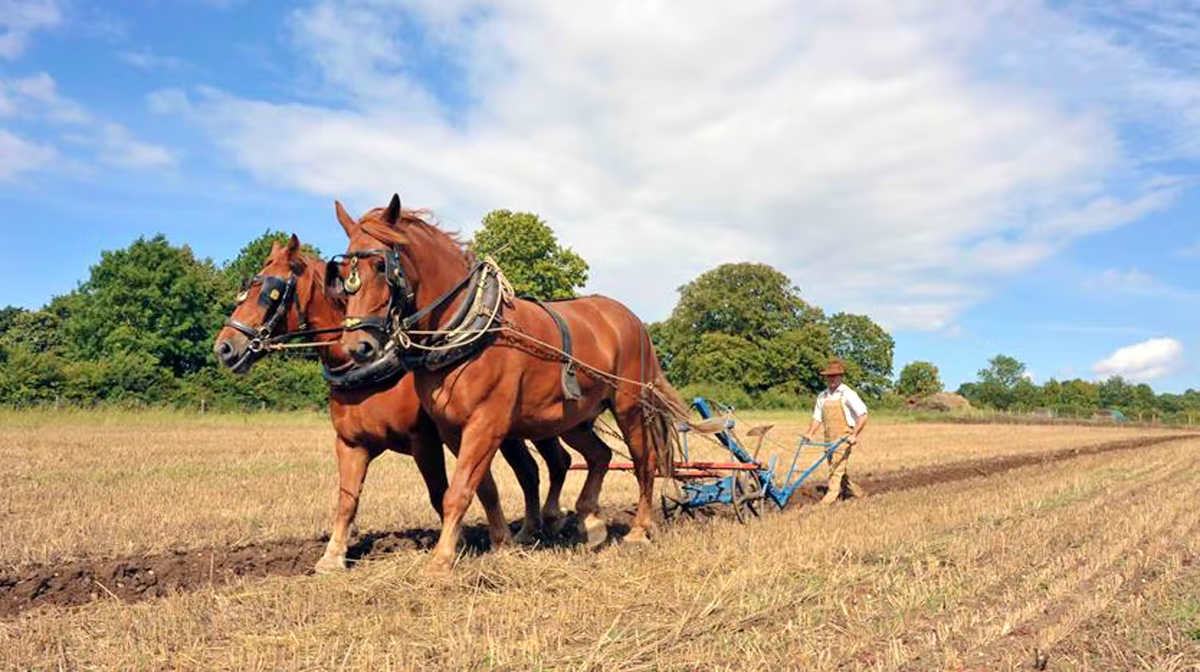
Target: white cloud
[(36, 101), (1128, 280), (893, 158), (19, 19), (19, 156), (1144, 361), (148, 60), (1134, 282)]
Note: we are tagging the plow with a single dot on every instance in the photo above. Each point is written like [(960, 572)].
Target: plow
[(744, 482)]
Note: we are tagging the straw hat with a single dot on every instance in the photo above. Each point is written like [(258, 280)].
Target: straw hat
[(834, 368)]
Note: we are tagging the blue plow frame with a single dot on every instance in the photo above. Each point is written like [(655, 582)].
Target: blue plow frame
[(696, 494)]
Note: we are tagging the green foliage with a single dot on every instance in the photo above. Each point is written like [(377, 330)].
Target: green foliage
[(150, 299), (743, 326), (7, 315), (753, 301), (997, 386), (919, 379), (1115, 393), (527, 250), (37, 331), (867, 350), (29, 377), (278, 382), (139, 332)]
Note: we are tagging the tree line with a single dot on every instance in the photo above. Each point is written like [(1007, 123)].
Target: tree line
[(139, 331)]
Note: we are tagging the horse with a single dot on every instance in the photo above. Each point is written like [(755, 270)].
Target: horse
[(288, 296), (488, 365)]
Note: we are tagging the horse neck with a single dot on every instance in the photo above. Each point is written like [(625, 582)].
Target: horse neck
[(439, 264), (323, 313)]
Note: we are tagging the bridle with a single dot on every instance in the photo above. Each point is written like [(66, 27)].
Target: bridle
[(459, 337), (401, 296), (277, 295)]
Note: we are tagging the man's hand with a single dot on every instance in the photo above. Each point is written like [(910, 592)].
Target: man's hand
[(851, 440)]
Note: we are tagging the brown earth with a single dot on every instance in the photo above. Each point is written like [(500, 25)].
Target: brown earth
[(141, 577)]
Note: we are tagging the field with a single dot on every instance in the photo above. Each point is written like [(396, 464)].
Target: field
[(184, 542)]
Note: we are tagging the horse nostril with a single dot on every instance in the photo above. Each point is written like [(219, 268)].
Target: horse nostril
[(363, 351), (225, 351)]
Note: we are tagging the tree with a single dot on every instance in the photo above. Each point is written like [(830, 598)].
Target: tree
[(150, 298), (7, 315), (867, 348), (36, 331), (527, 250), (1116, 393), (998, 383), (753, 307), (753, 301), (1078, 396), (919, 379)]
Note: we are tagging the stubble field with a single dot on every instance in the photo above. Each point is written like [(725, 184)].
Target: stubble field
[(187, 539)]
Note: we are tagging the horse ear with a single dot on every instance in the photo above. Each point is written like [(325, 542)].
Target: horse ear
[(345, 219), (293, 255), (393, 211)]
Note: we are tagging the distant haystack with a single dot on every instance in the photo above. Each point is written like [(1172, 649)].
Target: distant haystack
[(942, 401)]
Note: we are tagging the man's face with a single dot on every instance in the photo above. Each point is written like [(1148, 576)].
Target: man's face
[(833, 380)]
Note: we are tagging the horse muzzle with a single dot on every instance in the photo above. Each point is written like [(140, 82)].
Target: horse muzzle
[(234, 353)]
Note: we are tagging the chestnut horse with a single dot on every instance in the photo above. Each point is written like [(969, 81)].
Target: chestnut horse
[(287, 295), (512, 382)]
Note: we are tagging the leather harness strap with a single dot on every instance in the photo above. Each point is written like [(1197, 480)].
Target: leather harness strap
[(570, 384)]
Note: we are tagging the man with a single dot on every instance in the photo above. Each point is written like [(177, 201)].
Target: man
[(842, 413)]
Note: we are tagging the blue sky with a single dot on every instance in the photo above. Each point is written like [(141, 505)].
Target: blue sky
[(1015, 177)]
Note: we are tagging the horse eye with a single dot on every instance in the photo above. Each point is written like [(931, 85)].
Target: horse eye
[(380, 267)]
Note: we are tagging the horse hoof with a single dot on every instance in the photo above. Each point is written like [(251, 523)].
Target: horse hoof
[(439, 568), (525, 537), (331, 564), (637, 535), (500, 539), (595, 531), (554, 525)]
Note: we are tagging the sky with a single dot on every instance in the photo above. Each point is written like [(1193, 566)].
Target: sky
[(980, 178)]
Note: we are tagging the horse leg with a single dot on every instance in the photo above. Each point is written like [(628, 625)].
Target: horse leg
[(427, 452), (558, 461), (597, 455), (476, 448), (639, 437), (526, 469), (352, 471)]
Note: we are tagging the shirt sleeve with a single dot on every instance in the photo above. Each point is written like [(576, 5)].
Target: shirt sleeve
[(854, 403), (817, 408)]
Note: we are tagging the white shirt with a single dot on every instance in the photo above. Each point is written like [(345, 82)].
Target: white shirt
[(852, 404)]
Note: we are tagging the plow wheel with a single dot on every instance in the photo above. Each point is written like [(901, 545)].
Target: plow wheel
[(747, 496)]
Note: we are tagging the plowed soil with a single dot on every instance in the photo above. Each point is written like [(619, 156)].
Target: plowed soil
[(140, 577)]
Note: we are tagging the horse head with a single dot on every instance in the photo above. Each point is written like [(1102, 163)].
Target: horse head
[(395, 260), (269, 304)]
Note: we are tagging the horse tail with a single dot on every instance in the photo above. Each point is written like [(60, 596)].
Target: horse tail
[(666, 406)]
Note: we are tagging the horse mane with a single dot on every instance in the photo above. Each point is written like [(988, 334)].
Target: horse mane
[(421, 219)]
